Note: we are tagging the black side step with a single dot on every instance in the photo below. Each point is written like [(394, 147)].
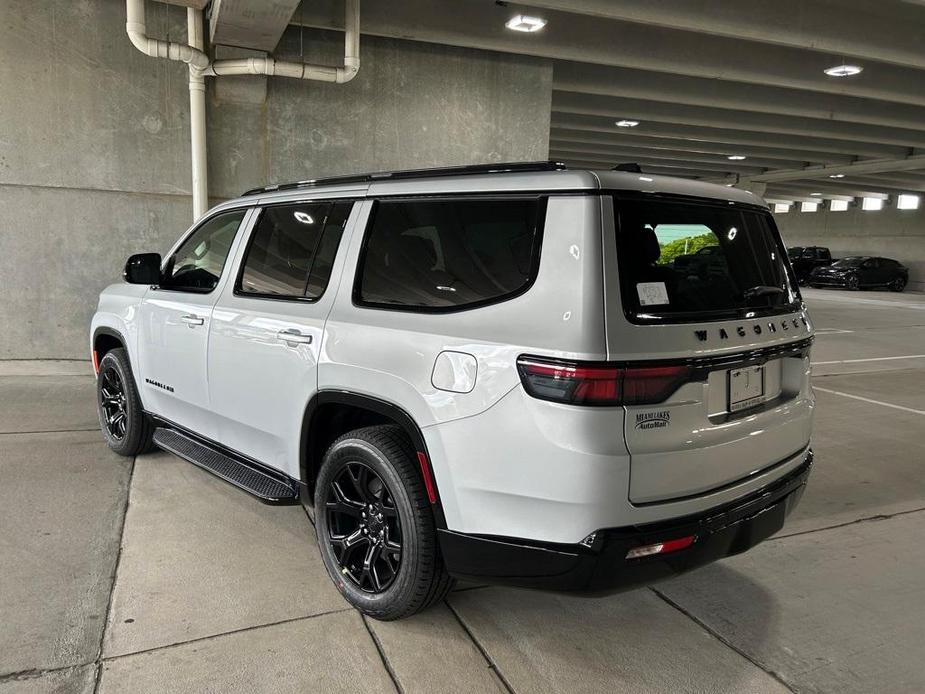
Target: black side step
[(264, 484)]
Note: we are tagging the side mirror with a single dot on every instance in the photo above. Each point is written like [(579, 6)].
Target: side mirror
[(143, 268)]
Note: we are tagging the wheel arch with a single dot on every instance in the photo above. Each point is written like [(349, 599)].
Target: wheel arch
[(330, 414), (106, 339)]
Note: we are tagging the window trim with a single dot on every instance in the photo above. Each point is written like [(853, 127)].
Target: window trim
[(542, 200), (186, 237), (704, 316), (259, 210)]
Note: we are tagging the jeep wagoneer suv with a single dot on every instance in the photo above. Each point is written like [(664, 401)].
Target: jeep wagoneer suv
[(494, 373)]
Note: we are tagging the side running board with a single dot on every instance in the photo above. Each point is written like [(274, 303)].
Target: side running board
[(266, 485)]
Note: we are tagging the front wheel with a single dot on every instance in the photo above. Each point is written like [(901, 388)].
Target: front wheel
[(126, 427), (375, 527)]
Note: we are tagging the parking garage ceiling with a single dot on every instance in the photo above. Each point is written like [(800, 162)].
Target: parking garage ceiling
[(746, 81)]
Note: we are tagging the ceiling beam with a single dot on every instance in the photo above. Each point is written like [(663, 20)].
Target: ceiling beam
[(254, 24), (861, 167), (556, 145), (696, 91), (598, 124), (617, 139), (827, 190), (617, 108), (588, 39), (651, 170), (853, 28), (611, 160)]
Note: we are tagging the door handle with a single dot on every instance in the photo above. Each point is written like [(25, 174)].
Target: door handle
[(191, 320), (293, 337)]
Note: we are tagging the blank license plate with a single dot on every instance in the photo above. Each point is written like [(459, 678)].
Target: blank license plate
[(746, 388)]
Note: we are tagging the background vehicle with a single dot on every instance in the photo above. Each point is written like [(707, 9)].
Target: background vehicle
[(805, 259), (491, 375), (862, 271)]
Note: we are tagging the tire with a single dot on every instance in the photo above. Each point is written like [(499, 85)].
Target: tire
[(853, 283), (381, 461), (125, 426), (898, 284)]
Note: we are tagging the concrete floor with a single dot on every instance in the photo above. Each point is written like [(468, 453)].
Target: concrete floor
[(151, 575)]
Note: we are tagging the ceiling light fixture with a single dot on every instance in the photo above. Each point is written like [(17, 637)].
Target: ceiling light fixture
[(907, 202), (627, 123), (525, 23), (837, 176), (736, 157), (844, 70), (816, 195), (838, 206)]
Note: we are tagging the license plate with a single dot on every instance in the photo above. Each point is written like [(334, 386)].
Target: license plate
[(746, 388)]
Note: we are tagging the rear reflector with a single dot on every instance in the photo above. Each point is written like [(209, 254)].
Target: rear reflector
[(96, 363), (579, 383), (661, 547), (428, 478)]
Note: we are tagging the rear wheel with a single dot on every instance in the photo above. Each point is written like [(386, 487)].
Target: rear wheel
[(853, 283), (375, 527), (126, 428), (898, 284)]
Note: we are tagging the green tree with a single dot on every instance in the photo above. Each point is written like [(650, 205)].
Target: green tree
[(685, 246)]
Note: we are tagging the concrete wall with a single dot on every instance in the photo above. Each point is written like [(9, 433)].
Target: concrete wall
[(94, 143), (889, 233)]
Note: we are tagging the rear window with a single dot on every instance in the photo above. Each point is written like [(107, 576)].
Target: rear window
[(683, 261), (444, 255), (292, 250)]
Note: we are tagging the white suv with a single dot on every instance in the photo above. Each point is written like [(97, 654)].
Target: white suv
[(516, 374)]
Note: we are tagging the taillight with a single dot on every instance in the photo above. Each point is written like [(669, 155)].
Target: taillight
[(579, 383)]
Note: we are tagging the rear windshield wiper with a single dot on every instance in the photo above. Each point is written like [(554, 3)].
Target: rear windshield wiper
[(761, 290)]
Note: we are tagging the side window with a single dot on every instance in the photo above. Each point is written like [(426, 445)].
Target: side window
[(446, 254), (292, 250), (197, 264), (825, 254)]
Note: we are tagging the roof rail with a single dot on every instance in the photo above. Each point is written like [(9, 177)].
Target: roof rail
[(506, 167), (632, 167)]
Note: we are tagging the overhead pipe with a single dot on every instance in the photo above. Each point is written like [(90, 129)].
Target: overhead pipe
[(156, 48), (307, 71), (200, 65)]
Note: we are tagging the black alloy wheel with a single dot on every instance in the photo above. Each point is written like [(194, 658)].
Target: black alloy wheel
[(853, 282), (364, 528), (375, 524), (112, 403), (898, 284), (127, 429)]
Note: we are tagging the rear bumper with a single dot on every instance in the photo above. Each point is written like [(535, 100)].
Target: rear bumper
[(602, 567)]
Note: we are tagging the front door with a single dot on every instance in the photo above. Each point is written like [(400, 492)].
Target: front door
[(267, 330), (173, 324)]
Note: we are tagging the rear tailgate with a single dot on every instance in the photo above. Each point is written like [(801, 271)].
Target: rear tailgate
[(739, 415), (735, 321)]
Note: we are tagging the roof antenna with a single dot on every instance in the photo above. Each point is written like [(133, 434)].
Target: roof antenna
[(630, 167)]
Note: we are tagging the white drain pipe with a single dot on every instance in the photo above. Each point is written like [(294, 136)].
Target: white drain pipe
[(197, 118), (306, 71), (137, 32), (200, 65)]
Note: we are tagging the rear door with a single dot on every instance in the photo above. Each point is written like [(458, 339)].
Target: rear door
[(732, 337), (267, 329)]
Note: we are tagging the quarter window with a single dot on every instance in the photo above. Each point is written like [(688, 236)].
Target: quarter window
[(449, 254), (292, 250), (197, 264)]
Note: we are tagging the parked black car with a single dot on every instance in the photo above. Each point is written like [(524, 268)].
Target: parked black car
[(860, 271), (807, 258)]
